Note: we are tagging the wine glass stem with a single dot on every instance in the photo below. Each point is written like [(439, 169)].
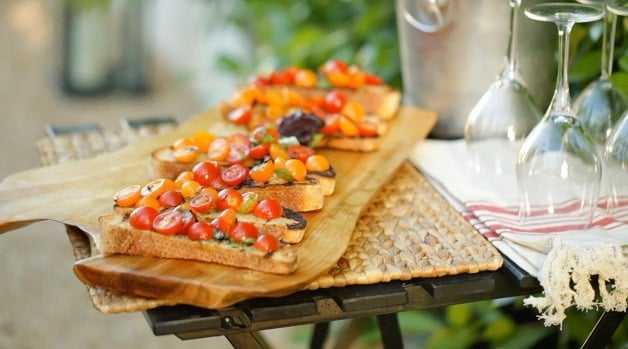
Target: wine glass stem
[(511, 54), (561, 102), (608, 43)]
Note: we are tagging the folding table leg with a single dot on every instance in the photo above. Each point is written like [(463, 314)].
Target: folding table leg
[(390, 331), (246, 340), (321, 329), (603, 330)]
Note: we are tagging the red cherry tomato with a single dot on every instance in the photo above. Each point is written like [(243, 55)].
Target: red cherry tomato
[(170, 198), (268, 209), (226, 220), (265, 134), (335, 66), (332, 125), (205, 172), (258, 152), (168, 222), (372, 79), (202, 203), (240, 115), (367, 129), (200, 231), (239, 146), (234, 175), (143, 217), (244, 232), (334, 101), (300, 152), (188, 219), (229, 198), (266, 243)]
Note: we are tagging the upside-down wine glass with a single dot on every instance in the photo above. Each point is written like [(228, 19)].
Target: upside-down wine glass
[(504, 115), (601, 103), (558, 168), (616, 150)]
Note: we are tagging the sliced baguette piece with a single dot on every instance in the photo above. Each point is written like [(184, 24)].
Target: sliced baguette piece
[(357, 144), (119, 237)]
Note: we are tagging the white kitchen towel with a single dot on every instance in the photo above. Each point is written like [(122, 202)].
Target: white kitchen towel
[(481, 183)]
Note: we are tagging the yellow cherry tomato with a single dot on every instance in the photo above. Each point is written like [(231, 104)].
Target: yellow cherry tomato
[(189, 189), (186, 155), (305, 78), (353, 111), (317, 163), (348, 127), (261, 173), (296, 168), (202, 139), (148, 201), (183, 177), (127, 197)]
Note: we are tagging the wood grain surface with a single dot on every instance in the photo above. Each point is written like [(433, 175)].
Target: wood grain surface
[(77, 193)]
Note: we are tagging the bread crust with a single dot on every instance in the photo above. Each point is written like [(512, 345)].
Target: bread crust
[(119, 237)]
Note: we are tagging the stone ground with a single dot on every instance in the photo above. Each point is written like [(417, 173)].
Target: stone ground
[(42, 303)]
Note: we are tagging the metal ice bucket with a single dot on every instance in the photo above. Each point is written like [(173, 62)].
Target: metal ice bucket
[(452, 50)]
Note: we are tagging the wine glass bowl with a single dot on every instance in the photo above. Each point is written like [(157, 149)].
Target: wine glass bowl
[(616, 170), (558, 167)]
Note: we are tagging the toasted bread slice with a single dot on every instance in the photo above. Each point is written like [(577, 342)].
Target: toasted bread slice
[(119, 237)]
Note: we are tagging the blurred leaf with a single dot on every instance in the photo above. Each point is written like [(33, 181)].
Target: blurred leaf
[(526, 337), (586, 68), (451, 339), (620, 80), (500, 329), (459, 315), (418, 322)]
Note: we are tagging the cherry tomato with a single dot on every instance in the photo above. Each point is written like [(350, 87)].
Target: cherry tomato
[(148, 201), (305, 78), (189, 188), (209, 190), (200, 231), (339, 79), (367, 129), (317, 163), (263, 172), (296, 168), (277, 151), (170, 198), (353, 111), (334, 65), (279, 78), (266, 243), (241, 115), (183, 143), (202, 139), (249, 201), (244, 232), (226, 220), (143, 217), (204, 172), (260, 81), (183, 177), (218, 184), (234, 175), (268, 209), (332, 125), (127, 197), (218, 149), (356, 78), (265, 134), (229, 198), (202, 202), (348, 127), (168, 222), (334, 101), (186, 155), (372, 79), (156, 187), (239, 146), (300, 152), (188, 219), (258, 152)]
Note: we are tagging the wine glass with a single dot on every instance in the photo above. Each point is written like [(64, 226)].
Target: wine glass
[(616, 150), (504, 115), (558, 168), (601, 103)]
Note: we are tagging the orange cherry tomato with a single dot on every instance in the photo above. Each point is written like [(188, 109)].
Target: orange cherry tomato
[(244, 232), (229, 198), (296, 168), (218, 149), (202, 139), (183, 177), (262, 173), (266, 243), (356, 78), (189, 188), (148, 201), (348, 127), (183, 143), (338, 79), (268, 209), (156, 187), (127, 197), (317, 163), (305, 78), (277, 151), (186, 155), (353, 110), (143, 217), (209, 190)]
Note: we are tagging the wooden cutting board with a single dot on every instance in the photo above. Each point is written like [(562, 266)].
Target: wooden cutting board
[(77, 193)]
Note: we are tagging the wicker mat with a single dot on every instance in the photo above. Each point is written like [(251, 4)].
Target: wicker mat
[(407, 231)]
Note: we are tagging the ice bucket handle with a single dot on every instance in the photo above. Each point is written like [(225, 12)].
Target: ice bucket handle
[(429, 16)]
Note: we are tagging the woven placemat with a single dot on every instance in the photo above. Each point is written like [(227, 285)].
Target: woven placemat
[(408, 230)]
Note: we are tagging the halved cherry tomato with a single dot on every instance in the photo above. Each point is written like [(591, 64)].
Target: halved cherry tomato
[(156, 187), (234, 175), (338, 79), (260, 81), (334, 101), (205, 172), (143, 217), (189, 188), (372, 79), (183, 143), (168, 222), (296, 168), (265, 134), (244, 232), (300, 152), (226, 220), (211, 191), (188, 219), (332, 125), (229, 198), (334, 65), (202, 202), (218, 184), (277, 151), (279, 78), (305, 78), (317, 163), (258, 152), (170, 198), (261, 173), (249, 201), (183, 177), (128, 196), (148, 201), (268, 209), (353, 111), (218, 149), (186, 155), (266, 243), (200, 231), (241, 115), (239, 146), (348, 127), (202, 139), (367, 129), (356, 78)]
